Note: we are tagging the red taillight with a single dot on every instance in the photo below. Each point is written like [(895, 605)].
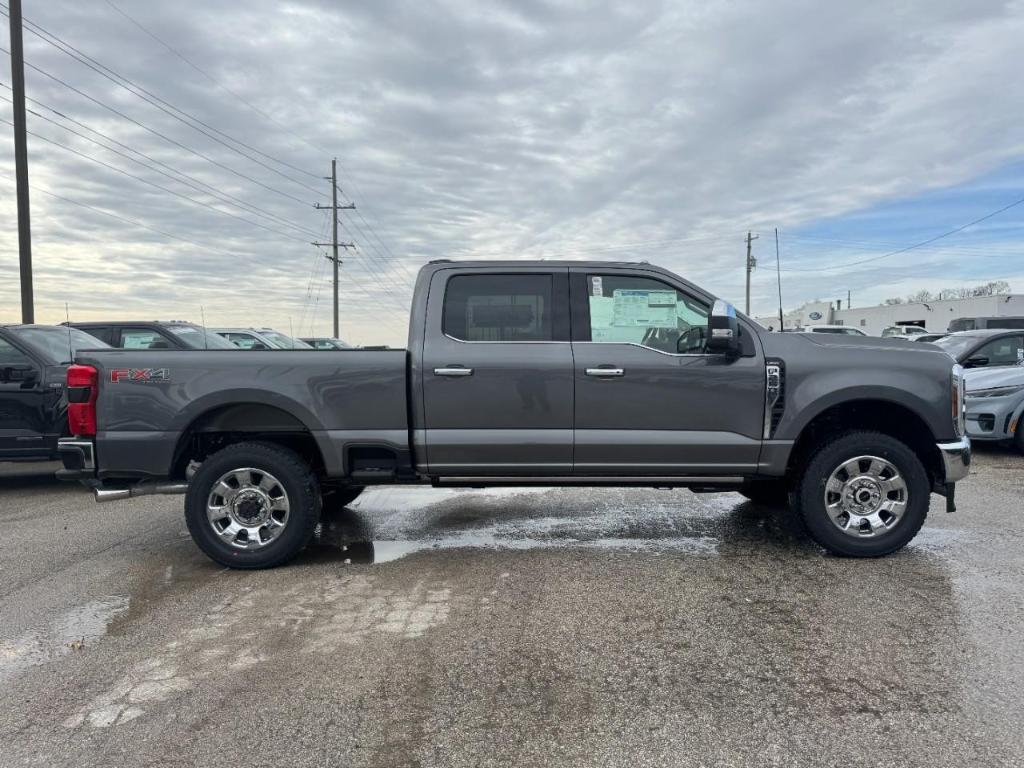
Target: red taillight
[(83, 388)]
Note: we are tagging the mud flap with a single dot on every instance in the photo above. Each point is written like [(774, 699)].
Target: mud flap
[(950, 502)]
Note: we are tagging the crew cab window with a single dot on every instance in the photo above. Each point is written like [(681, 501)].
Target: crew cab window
[(138, 338), (498, 308), (644, 311), (11, 355), (1008, 350)]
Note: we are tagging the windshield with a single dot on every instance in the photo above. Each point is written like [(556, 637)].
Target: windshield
[(58, 345), (192, 336), (956, 345), (285, 342)]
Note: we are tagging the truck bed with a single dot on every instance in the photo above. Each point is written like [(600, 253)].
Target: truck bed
[(150, 399)]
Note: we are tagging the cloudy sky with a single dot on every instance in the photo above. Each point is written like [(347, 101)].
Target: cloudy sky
[(660, 131)]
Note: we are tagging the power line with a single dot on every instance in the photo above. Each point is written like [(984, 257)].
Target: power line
[(186, 179), (157, 133), (164, 106), (220, 85), (133, 222), (162, 188), (923, 243)]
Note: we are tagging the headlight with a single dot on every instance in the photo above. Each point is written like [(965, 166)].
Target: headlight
[(996, 391), (956, 380)]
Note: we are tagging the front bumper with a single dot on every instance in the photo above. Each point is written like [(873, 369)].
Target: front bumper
[(956, 459), (78, 455)]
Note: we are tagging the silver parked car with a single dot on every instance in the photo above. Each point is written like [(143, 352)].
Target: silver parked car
[(995, 402), (260, 338)]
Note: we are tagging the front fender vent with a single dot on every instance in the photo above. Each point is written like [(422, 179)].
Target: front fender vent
[(774, 395)]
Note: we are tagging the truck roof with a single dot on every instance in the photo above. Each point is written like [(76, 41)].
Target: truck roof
[(506, 263)]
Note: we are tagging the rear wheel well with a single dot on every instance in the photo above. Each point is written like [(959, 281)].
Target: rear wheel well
[(883, 416), (243, 422)]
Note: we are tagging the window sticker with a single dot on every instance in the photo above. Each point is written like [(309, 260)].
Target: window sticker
[(596, 286), (649, 309)]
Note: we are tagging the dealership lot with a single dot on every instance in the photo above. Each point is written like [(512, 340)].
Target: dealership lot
[(433, 627)]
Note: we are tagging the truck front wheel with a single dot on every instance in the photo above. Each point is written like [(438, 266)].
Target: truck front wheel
[(252, 505), (864, 494)]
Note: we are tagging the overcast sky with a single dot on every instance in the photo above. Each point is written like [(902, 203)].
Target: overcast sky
[(637, 130)]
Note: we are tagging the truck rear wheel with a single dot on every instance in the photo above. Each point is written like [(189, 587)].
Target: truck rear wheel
[(864, 494), (252, 505)]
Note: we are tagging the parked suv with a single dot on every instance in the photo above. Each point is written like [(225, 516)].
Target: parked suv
[(153, 334), (33, 402)]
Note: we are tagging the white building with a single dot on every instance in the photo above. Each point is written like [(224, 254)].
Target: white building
[(933, 315)]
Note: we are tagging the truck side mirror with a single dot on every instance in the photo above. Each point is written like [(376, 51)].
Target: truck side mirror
[(978, 361), (723, 330)]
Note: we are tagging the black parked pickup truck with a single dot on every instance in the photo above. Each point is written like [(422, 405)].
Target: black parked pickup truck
[(33, 406), (530, 373)]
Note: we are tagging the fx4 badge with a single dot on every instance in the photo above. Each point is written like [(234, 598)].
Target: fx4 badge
[(143, 375)]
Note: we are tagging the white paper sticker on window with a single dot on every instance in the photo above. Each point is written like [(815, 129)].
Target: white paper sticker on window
[(650, 309), (597, 286)]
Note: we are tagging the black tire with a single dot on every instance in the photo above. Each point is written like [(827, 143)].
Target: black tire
[(1018, 438), (293, 474), (809, 495), (770, 493)]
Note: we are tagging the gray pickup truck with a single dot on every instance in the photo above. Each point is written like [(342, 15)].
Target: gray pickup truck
[(530, 373)]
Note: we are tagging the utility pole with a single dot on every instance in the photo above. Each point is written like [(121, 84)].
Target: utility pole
[(335, 245), (751, 263), (778, 275), (28, 314), (849, 305)]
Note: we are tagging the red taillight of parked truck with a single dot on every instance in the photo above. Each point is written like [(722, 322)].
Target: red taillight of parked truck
[(83, 388)]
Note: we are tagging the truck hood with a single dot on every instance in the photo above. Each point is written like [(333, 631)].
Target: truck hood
[(860, 343), (989, 378)]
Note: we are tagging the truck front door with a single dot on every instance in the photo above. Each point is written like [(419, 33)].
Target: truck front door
[(649, 400), (22, 403), (496, 374)]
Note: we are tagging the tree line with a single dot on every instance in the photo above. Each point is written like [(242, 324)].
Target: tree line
[(994, 288)]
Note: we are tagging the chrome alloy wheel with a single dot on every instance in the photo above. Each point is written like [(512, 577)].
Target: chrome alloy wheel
[(865, 496), (247, 508)]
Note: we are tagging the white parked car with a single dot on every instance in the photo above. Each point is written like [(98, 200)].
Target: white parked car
[(903, 331)]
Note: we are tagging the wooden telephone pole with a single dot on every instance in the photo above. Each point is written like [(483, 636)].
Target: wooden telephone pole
[(751, 263), (28, 313), (335, 245)]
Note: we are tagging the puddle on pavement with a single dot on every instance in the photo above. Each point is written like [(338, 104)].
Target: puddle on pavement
[(73, 630), (348, 537)]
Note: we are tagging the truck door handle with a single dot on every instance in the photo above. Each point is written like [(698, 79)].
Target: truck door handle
[(453, 371), (606, 373)]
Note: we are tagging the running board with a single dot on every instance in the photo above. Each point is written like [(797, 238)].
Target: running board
[(586, 482)]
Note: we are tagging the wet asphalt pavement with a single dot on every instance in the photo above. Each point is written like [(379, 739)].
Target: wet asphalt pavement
[(545, 627)]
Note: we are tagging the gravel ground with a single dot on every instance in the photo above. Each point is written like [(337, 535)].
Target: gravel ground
[(545, 627)]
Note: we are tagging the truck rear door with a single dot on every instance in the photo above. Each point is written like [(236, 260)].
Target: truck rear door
[(497, 373)]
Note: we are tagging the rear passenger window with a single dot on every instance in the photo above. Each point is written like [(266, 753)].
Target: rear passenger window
[(498, 308)]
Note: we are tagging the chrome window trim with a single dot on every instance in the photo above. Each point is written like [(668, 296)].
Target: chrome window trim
[(652, 349), (467, 341)]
